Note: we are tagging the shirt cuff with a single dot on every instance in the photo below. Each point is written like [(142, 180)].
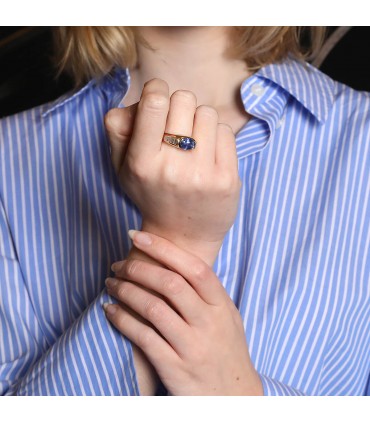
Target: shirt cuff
[(272, 387), (90, 358)]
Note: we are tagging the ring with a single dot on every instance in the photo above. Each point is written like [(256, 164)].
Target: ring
[(180, 141)]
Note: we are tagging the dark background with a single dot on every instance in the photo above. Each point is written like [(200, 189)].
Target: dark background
[(27, 76)]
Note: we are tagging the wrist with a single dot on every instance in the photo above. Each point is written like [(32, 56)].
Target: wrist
[(205, 250), (136, 254)]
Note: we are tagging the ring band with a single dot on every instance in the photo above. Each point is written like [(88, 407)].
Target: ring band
[(179, 141)]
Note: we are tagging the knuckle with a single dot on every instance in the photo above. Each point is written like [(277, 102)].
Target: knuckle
[(200, 271), (226, 183), (226, 129), (139, 173), (131, 268), (153, 309), (137, 170), (145, 338), (198, 182), (226, 135), (207, 111), (169, 175), (173, 284), (185, 96), (230, 184), (154, 101), (121, 319), (122, 291), (110, 119)]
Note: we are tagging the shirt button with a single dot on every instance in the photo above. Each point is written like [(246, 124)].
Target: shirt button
[(257, 90), (280, 122)]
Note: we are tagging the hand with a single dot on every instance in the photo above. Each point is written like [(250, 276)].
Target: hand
[(191, 332), (188, 197)]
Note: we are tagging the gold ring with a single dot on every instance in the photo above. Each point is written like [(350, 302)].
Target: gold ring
[(179, 141)]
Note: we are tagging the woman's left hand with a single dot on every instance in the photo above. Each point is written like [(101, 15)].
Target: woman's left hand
[(186, 324)]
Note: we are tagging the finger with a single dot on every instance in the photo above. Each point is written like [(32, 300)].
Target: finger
[(193, 269), (153, 309), (205, 133), (181, 113), (226, 157), (150, 120), (168, 284), (119, 124), (156, 349)]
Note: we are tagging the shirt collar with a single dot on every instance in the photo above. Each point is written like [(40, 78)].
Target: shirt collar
[(112, 86), (267, 93), (310, 87)]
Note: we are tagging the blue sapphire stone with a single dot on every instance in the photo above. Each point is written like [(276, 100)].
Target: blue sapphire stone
[(187, 143)]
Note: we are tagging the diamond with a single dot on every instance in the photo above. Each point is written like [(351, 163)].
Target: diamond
[(171, 140)]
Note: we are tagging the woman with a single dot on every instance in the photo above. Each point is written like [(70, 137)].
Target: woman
[(285, 310)]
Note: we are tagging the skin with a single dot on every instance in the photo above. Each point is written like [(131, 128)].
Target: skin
[(193, 335), (198, 200), (199, 193), (206, 71)]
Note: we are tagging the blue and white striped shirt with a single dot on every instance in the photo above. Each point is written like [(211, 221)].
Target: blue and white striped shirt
[(296, 262)]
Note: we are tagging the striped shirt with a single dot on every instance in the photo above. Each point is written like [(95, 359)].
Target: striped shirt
[(296, 261)]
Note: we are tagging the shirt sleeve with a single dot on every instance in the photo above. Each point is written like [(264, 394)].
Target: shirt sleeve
[(90, 358), (272, 387)]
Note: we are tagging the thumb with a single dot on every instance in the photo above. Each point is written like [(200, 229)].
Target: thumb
[(119, 124)]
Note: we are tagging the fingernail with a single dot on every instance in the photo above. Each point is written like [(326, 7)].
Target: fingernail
[(109, 308), (140, 237), (110, 282), (117, 266)]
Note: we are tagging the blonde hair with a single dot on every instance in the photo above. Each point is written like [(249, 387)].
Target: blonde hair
[(88, 52)]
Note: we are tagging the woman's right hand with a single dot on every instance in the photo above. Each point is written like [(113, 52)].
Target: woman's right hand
[(189, 197)]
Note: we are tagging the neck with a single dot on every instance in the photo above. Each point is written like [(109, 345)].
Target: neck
[(191, 58)]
